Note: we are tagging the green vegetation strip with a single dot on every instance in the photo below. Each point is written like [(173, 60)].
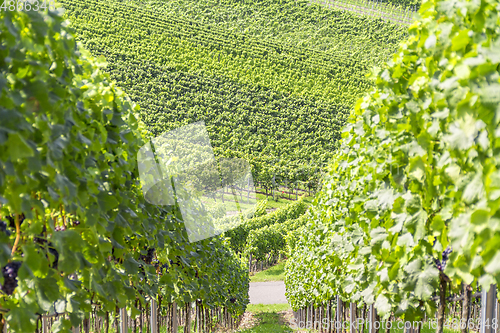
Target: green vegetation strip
[(409, 211), (75, 229), (273, 81), (270, 320), (275, 273)]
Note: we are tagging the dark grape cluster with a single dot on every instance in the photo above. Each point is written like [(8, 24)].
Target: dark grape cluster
[(75, 223), (3, 228), (10, 277), (148, 258), (61, 228), (441, 265)]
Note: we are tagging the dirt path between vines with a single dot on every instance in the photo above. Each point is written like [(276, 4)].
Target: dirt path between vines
[(267, 292)]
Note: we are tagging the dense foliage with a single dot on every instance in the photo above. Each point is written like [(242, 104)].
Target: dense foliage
[(238, 236), (296, 24), (75, 227), (417, 175), (272, 80), (270, 240)]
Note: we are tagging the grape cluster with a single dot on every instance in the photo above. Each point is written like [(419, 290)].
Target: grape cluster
[(61, 228), (3, 228), (10, 277), (167, 265), (148, 258), (441, 265), (75, 223)]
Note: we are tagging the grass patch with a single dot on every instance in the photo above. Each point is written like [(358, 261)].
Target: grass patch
[(230, 205), (281, 202), (258, 308), (275, 273), (270, 320)]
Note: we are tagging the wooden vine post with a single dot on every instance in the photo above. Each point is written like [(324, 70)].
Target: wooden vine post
[(442, 303), (338, 319), (123, 321), (372, 318), (154, 316), (352, 317), (45, 325), (466, 303), (488, 309), (187, 322), (174, 318)]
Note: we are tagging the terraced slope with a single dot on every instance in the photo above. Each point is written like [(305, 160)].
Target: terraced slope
[(274, 88), (389, 11)]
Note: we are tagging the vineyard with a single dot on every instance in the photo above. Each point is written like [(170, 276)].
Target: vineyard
[(273, 81), (389, 117), (78, 239), (406, 226), (394, 13)]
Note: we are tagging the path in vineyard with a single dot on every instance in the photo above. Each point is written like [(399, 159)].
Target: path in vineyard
[(267, 292)]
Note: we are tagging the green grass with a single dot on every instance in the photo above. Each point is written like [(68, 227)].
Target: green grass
[(271, 203), (269, 318), (275, 273), (259, 308)]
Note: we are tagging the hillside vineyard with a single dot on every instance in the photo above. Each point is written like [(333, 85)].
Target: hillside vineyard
[(85, 86), (273, 80)]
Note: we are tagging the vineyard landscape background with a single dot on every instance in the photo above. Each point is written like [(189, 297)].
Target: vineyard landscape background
[(371, 130)]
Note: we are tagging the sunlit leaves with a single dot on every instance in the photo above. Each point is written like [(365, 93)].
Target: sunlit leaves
[(68, 143), (441, 93)]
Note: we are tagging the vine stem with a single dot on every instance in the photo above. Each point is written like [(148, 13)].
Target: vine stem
[(63, 216), (442, 303), (18, 235)]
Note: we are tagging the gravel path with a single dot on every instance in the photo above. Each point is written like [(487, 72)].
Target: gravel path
[(267, 292)]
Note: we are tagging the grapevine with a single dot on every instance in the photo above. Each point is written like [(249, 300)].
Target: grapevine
[(75, 223), (408, 205)]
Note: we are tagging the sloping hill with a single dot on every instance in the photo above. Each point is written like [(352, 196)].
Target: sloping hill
[(273, 81)]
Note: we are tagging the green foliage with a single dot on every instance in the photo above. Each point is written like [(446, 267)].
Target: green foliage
[(266, 91), (417, 172), (274, 273), (68, 145), (297, 24), (270, 239), (260, 209), (238, 236), (405, 3), (292, 237)]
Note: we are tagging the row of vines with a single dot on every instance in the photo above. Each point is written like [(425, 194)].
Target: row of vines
[(408, 215), (75, 230), (273, 81)]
